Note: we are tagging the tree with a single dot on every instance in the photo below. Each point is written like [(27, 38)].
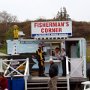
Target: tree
[(9, 33), (7, 18), (62, 15)]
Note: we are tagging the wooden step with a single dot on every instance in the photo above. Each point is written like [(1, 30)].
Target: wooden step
[(37, 88), (41, 83)]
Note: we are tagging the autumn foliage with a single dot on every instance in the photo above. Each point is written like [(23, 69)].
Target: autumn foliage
[(79, 29)]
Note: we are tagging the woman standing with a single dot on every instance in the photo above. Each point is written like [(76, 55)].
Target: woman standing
[(57, 53)]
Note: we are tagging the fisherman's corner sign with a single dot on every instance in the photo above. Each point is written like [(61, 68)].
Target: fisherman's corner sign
[(51, 28)]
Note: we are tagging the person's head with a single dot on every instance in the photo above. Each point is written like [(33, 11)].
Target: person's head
[(51, 61), (63, 49), (57, 49), (39, 49)]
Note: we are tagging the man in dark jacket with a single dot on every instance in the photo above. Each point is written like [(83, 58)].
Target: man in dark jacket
[(53, 73)]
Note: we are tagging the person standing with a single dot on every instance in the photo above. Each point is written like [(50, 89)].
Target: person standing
[(53, 74), (40, 58), (63, 58), (57, 53)]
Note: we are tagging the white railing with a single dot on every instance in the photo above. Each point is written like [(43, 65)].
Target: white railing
[(16, 68), (67, 73), (77, 68)]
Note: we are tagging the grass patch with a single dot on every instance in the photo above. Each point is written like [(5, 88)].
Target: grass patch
[(3, 49)]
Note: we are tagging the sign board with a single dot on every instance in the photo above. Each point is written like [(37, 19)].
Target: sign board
[(51, 28), (23, 46)]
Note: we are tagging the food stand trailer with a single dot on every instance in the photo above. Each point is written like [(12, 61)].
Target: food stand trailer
[(51, 34)]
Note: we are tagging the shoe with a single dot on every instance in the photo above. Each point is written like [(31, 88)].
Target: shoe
[(63, 75), (44, 75), (40, 75)]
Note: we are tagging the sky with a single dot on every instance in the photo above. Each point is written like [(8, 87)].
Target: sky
[(78, 10)]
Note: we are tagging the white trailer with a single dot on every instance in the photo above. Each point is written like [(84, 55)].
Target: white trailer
[(75, 51)]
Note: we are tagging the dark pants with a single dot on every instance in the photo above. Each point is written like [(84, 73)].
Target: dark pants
[(64, 67), (41, 68)]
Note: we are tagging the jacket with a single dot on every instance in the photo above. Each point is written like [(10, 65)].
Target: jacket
[(3, 83), (53, 71)]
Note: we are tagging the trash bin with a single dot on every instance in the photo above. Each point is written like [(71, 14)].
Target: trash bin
[(16, 83), (9, 83)]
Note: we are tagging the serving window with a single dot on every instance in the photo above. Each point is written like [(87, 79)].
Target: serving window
[(49, 49)]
